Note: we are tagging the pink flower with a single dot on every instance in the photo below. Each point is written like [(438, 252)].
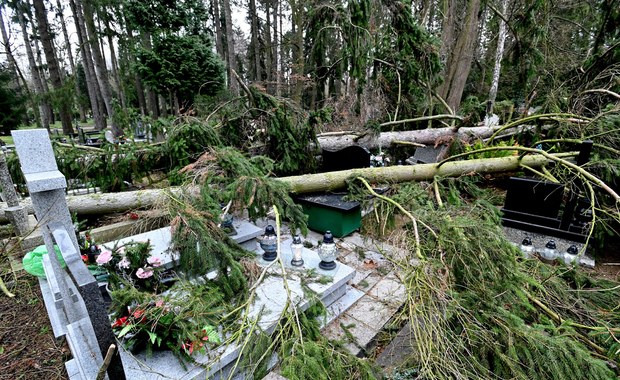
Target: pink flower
[(154, 261), (124, 263), (159, 303), (144, 272), (104, 257)]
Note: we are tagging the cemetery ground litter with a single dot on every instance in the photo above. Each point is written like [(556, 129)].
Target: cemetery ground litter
[(28, 349)]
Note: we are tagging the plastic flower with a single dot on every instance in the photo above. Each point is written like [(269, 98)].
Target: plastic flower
[(124, 263), (104, 257), (144, 272), (154, 261), (120, 322)]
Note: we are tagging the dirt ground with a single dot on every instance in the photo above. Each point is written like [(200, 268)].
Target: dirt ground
[(28, 349)]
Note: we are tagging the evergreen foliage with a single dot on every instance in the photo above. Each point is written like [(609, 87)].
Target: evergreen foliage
[(184, 66), (12, 107), (475, 306)]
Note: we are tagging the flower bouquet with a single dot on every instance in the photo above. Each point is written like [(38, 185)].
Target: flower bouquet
[(182, 321), (132, 264)]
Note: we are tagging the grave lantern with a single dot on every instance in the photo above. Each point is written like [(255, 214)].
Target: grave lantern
[(269, 243), (550, 251), (227, 225), (570, 255), (297, 248), (526, 247), (327, 252)]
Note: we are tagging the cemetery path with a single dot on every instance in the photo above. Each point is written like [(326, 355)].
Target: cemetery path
[(28, 349)]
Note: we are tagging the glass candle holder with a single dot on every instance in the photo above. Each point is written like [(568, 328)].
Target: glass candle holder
[(550, 251), (526, 247), (297, 249), (269, 244), (327, 252)]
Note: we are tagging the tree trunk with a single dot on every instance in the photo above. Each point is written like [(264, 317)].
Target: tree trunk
[(297, 48), (43, 109), (114, 61), (97, 204), (151, 96), (254, 32), (267, 52), (49, 110), (52, 64), (65, 34), (423, 136), (217, 21), (86, 13), (499, 53), (233, 86), (89, 71), (460, 58)]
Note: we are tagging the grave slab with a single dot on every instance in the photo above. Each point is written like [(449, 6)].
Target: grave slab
[(161, 240), (269, 303)]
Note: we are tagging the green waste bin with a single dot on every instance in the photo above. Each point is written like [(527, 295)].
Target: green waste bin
[(329, 212)]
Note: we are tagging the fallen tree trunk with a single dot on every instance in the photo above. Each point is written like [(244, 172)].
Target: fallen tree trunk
[(423, 136), (97, 204)]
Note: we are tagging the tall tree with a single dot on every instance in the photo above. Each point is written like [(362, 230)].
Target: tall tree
[(52, 64), (499, 53), (85, 10), (231, 60), (460, 58), (63, 25), (94, 93), (44, 109)]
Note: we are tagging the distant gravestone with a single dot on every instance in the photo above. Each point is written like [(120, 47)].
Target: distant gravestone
[(427, 155), (351, 157), (16, 214)]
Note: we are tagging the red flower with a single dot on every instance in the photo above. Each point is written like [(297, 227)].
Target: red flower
[(120, 322), (85, 259)]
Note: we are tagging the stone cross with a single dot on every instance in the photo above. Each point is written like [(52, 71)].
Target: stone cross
[(47, 185), (16, 214)]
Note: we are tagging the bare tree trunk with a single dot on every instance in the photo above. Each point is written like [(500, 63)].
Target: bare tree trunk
[(298, 41), (43, 75), (274, 44), (117, 81), (267, 52), (233, 86), (98, 204), (61, 18), (151, 96), (460, 59), (217, 20), (86, 13), (254, 32), (43, 109), (280, 51), (52, 63), (499, 53), (89, 71), (137, 79)]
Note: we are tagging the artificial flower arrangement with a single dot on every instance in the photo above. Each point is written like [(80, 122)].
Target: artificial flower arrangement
[(132, 264), (181, 320)]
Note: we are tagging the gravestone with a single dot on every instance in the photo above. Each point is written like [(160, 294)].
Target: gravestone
[(427, 155), (16, 214), (47, 190), (351, 157), (538, 206)]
